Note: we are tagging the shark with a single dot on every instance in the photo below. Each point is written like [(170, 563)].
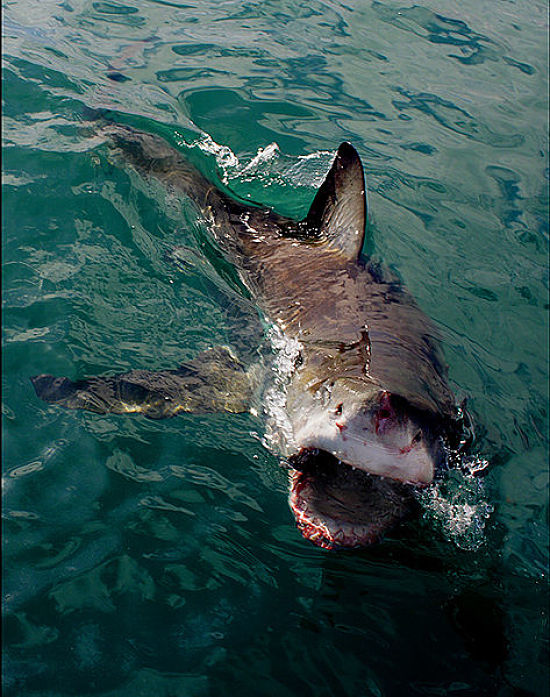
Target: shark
[(370, 417)]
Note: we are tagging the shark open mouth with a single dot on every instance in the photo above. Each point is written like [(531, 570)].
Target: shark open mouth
[(338, 506)]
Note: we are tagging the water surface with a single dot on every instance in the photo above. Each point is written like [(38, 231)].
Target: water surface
[(146, 557)]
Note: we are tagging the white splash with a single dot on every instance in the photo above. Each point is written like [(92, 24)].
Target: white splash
[(225, 157), (278, 433), (264, 155), (458, 505), (310, 170)]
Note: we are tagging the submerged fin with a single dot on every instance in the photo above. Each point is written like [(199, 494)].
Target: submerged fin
[(339, 209), (214, 381)]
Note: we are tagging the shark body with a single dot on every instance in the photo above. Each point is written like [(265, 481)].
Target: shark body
[(369, 408)]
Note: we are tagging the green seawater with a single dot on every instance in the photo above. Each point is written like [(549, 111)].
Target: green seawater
[(160, 557)]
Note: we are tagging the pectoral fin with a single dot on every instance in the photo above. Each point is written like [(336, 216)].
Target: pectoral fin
[(214, 381)]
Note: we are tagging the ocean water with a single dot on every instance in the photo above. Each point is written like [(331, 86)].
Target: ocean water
[(160, 558)]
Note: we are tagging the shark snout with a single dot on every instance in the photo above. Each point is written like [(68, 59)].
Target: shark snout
[(378, 445)]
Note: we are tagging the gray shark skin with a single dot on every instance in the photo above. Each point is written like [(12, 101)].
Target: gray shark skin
[(369, 410)]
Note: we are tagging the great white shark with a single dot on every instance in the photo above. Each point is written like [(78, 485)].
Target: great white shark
[(369, 410)]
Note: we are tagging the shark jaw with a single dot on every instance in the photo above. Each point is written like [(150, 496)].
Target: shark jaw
[(337, 506)]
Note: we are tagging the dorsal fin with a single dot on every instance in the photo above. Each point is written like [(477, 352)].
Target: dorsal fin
[(339, 209)]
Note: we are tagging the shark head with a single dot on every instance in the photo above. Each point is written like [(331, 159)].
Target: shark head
[(370, 429), (359, 451)]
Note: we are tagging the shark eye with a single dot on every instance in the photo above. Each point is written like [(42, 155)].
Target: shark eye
[(417, 437), (339, 409)]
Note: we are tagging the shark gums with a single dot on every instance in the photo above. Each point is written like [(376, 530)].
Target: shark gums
[(370, 414)]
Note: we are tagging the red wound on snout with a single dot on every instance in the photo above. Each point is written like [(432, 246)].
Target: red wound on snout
[(385, 414)]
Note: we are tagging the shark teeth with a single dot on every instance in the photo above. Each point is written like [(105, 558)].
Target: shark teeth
[(337, 506), (327, 532)]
